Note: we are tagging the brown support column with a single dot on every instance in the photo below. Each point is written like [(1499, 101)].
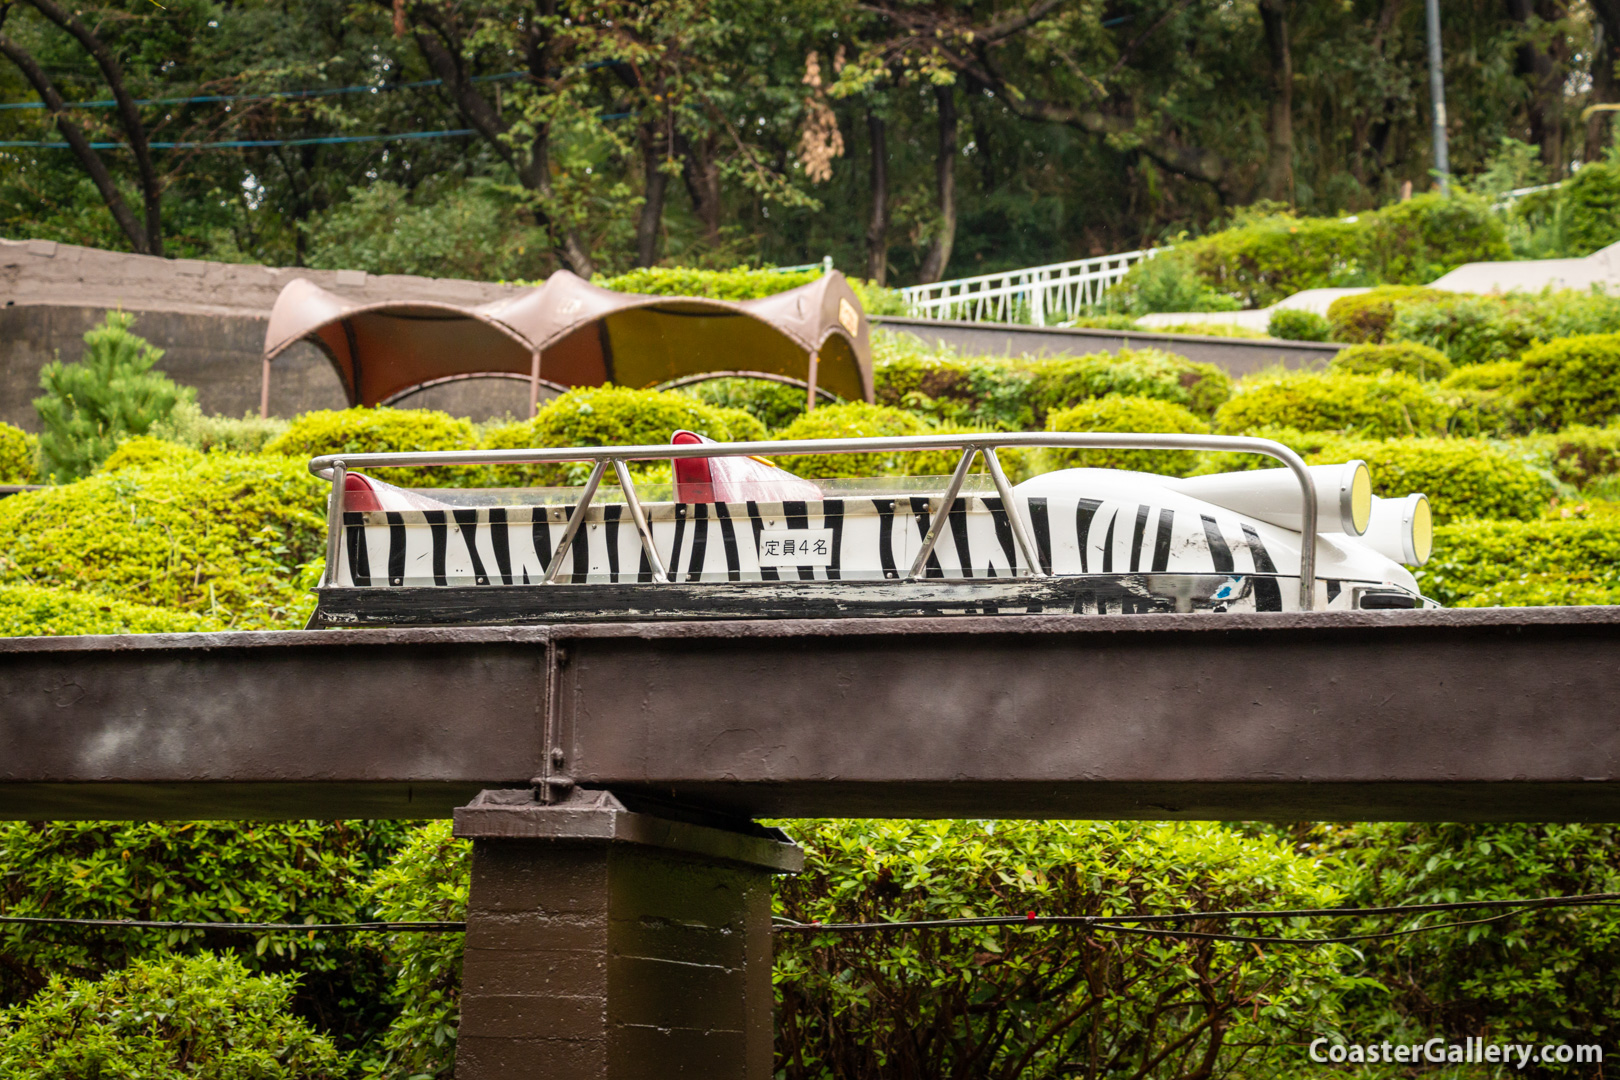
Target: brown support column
[(605, 944), (534, 384), (815, 362), (264, 391)]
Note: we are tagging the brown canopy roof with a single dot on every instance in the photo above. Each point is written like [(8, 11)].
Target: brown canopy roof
[(581, 335)]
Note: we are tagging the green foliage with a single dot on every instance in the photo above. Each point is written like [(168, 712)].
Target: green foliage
[(773, 404), (181, 1018), (1103, 322), (609, 416), (1498, 375), (30, 611), (1463, 478), (1293, 324), (379, 431), (189, 426), (1406, 357), (742, 283), (228, 871), (1064, 381), (1373, 405), (1572, 558), (1004, 1002), (145, 450), (1368, 316), (1127, 413), (18, 451), (1419, 239), (949, 388), (425, 880), (1468, 329), (1169, 281), (1582, 455), (224, 536), (1573, 380), (1208, 329), (1538, 978), (860, 420), (1591, 203), (112, 392)]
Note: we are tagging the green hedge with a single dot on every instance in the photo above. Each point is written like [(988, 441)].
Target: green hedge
[(1498, 375), (1574, 380), (742, 283), (1379, 406), (775, 405), (379, 431), (226, 537), (1368, 316), (1463, 478), (189, 426), (608, 416), (1526, 563), (1583, 456), (31, 611), (1405, 357), (1468, 329), (145, 450), (860, 420), (180, 1018), (1126, 413), (18, 454), (1293, 324)]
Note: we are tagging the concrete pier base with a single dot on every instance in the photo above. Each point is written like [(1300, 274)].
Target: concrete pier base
[(606, 944)]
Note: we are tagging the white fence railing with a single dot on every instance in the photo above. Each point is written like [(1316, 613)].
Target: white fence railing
[(1038, 295)]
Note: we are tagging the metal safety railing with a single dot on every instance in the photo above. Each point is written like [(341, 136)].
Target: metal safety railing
[(335, 467), (1038, 294)]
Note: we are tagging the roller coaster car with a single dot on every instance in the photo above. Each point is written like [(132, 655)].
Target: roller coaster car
[(738, 537)]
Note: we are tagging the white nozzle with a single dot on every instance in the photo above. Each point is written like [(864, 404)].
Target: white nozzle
[(1343, 495), (1401, 529)]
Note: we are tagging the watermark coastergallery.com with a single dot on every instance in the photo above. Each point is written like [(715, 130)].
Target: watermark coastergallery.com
[(1455, 1052)]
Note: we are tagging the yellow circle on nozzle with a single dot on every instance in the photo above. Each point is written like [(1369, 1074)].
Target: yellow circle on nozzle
[(1422, 530), (1361, 498)]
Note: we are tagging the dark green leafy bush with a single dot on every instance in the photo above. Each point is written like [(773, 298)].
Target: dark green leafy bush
[(30, 611), (427, 879), (1419, 239), (227, 871), (1583, 455), (111, 393), (1007, 1003), (1269, 258), (1169, 281), (1066, 381), (1372, 405), (17, 453), (773, 404), (1463, 478), (1405, 357), (1468, 329), (1293, 324), (953, 389), (608, 416), (1573, 380), (1124, 413), (1591, 205), (1572, 559), (1368, 316), (180, 1018), (379, 431), (223, 536)]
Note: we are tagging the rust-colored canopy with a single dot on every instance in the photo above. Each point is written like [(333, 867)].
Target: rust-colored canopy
[(583, 335)]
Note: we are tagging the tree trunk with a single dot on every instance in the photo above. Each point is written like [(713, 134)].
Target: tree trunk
[(80, 145), (939, 248), (650, 225), (1278, 181), (700, 170), (877, 225), (1541, 70), (1605, 55), (128, 114)]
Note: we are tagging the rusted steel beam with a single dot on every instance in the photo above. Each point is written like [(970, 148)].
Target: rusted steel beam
[(1443, 715)]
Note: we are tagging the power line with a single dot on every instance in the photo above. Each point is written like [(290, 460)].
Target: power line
[(241, 144), (268, 95)]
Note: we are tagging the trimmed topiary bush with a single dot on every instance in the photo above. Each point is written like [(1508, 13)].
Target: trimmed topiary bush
[(1498, 375), (1591, 204), (954, 389), (1574, 380), (18, 450), (180, 1018), (144, 450), (859, 420), (1468, 329), (379, 431), (1368, 316), (609, 416), (30, 611), (1405, 357), (1463, 478), (225, 537), (1381, 406), (1293, 324), (1421, 238), (1583, 455), (742, 283), (1063, 382), (1125, 413), (1574, 560)]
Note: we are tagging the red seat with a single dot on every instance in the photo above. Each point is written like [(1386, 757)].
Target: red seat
[(734, 479)]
